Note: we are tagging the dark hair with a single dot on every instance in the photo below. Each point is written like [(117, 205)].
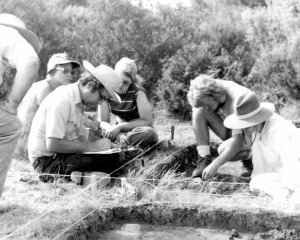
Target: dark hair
[(86, 77)]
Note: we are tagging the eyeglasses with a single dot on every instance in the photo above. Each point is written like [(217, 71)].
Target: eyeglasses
[(66, 71)]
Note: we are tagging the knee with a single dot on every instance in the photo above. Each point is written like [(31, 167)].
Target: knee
[(243, 154), (222, 147), (143, 136), (151, 134), (199, 113)]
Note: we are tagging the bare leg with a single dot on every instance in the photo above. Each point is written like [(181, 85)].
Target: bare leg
[(202, 121)]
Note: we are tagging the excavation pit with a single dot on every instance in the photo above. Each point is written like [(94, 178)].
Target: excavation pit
[(164, 221), (131, 231)]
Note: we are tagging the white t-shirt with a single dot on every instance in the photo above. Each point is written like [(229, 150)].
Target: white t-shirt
[(32, 100), (60, 115), (14, 49)]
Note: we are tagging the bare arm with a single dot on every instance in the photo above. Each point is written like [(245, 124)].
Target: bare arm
[(27, 71), (229, 153), (65, 146), (236, 145), (145, 113), (90, 123)]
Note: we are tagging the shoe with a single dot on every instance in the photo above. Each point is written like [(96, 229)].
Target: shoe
[(247, 167), (85, 178), (202, 163)]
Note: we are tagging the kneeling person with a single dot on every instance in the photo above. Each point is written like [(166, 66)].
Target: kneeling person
[(134, 115), (57, 137)]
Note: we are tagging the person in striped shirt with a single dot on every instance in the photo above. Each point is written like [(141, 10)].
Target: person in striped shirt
[(134, 120)]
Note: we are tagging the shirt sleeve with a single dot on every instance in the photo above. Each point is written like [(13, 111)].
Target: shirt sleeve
[(282, 141), (57, 118), (20, 52)]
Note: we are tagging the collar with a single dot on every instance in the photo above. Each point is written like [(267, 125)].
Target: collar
[(76, 93)]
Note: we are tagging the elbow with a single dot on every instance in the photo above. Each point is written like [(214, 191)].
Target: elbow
[(33, 64), (51, 145), (150, 123)]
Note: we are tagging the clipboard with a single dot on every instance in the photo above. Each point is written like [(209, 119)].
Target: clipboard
[(113, 150)]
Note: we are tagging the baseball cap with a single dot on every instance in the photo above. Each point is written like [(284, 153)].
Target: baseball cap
[(60, 58)]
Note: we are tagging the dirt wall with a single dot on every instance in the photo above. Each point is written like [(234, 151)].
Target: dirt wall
[(200, 216)]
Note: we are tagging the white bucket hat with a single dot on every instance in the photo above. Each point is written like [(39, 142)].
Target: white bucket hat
[(106, 76), (248, 112), (60, 58), (12, 21)]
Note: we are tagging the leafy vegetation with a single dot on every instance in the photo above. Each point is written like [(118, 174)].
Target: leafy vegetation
[(254, 43)]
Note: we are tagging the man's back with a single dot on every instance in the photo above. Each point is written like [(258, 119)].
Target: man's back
[(59, 116), (32, 100)]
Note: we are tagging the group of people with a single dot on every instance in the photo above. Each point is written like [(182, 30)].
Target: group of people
[(253, 132), (49, 117)]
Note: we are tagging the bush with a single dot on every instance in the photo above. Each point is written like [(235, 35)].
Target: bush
[(254, 43)]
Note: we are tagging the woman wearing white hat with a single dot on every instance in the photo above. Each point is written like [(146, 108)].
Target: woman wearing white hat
[(19, 65), (275, 147)]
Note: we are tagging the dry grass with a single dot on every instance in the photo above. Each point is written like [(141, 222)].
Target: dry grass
[(30, 209)]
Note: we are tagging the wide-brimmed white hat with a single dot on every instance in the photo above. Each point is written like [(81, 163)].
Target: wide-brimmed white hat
[(248, 112), (107, 76), (60, 58), (12, 21)]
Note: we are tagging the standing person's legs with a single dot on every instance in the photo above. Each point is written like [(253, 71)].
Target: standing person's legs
[(9, 133), (21, 151)]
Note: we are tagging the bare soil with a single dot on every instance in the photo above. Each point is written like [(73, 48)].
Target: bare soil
[(131, 231), (187, 216)]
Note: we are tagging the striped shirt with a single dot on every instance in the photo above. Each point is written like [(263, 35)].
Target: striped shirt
[(127, 110)]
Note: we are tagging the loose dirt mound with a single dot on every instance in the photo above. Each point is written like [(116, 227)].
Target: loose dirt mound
[(278, 235)]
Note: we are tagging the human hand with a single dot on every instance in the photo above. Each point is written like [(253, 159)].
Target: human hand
[(124, 140), (209, 171), (100, 145), (196, 173), (112, 132)]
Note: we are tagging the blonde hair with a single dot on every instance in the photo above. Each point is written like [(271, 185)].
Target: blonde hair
[(127, 67), (202, 87)]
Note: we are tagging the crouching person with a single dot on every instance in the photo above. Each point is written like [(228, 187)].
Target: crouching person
[(212, 100), (275, 148), (134, 121), (57, 140)]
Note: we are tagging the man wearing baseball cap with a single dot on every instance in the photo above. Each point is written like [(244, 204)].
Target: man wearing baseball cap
[(19, 65), (60, 69), (57, 141)]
